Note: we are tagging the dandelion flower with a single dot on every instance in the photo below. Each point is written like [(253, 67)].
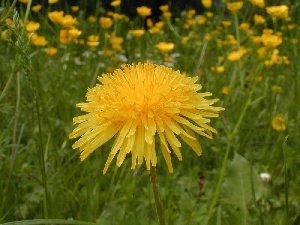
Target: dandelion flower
[(140, 105)]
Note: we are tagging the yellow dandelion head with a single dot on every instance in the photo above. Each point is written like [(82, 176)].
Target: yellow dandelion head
[(140, 105)]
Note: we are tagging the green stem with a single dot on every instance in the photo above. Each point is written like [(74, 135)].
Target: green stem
[(286, 183), (229, 144), (158, 202), (237, 32)]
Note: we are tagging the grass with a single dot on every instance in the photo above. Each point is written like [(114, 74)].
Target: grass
[(42, 179)]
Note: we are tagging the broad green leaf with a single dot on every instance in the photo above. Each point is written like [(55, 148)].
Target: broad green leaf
[(239, 186)]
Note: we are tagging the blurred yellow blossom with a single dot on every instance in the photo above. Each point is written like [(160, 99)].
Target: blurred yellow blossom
[(23, 1), (259, 3), (39, 40), (225, 90), (116, 42), (281, 11), (256, 39), (206, 3), (92, 19), (276, 88), (244, 26), (65, 36), (235, 56), (165, 47), (32, 26), (278, 123), (74, 8), (51, 51), (262, 51), (258, 19), (271, 40), (52, 1), (137, 33), (143, 11), (226, 23), (93, 41), (234, 6), (220, 69), (164, 8), (209, 14), (68, 21), (167, 15), (36, 8), (115, 3), (56, 16), (201, 20), (105, 22)]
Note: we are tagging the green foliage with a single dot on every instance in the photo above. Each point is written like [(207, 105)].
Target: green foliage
[(42, 180)]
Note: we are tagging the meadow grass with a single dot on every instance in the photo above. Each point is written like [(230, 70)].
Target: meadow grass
[(257, 82)]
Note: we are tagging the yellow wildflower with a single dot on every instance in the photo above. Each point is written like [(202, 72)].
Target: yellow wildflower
[(235, 56), (137, 33), (36, 8), (225, 90), (206, 3), (39, 40), (92, 19), (105, 22), (164, 8), (93, 41), (278, 123), (115, 3), (51, 51), (226, 23), (271, 40), (281, 11), (141, 105), (68, 21), (52, 1), (23, 1), (259, 3), (65, 36), (32, 26), (56, 16), (165, 47), (234, 6), (143, 11), (74, 8), (258, 19)]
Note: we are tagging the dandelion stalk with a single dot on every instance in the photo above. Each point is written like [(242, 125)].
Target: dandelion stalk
[(157, 198)]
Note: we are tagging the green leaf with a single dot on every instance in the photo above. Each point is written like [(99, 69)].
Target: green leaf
[(49, 221), (241, 185)]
